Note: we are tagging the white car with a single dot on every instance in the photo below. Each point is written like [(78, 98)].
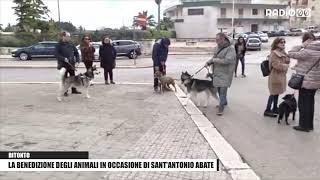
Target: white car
[(264, 37), (254, 43), (96, 46)]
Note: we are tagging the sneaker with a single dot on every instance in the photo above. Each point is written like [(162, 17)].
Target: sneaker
[(106, 82), (275, 111), (269, 114), (220, 111), (243, 75), (112, 82), (298, 128), (155, 89)]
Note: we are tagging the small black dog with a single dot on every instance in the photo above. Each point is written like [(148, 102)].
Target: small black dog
[(286, 107)]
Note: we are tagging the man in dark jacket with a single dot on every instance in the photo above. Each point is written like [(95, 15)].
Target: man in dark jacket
[(67, 57), (159, 57)]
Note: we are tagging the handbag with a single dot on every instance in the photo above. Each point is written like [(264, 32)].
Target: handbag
[(296, 80), (265, 67)]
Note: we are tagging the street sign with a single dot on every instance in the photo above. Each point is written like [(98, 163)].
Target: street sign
[(158, 1), (141, 19)]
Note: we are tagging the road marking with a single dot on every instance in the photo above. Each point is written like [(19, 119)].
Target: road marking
[(56, 82), (228, 156)]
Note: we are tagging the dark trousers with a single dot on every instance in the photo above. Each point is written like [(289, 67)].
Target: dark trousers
[(273, 99), (306, 107), (88, 64), (70, 72), (241, 59), (162, 69), (108, 71)]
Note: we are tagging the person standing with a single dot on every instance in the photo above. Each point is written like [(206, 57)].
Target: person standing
[(87, 51), (277, 81), (223, 63), (67, 58), (241, 49), (108, 56), (159, 56), (308, 56)]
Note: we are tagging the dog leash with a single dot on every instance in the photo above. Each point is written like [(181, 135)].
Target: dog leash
[(73, 68), (199, 70)]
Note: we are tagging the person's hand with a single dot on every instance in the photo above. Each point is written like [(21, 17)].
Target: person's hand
[(306, 42), (66, 60)]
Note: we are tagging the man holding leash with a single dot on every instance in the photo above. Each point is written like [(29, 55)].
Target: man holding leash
[(223, 63), (68, 58), (159, 57)]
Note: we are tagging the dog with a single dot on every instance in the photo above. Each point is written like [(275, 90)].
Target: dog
[(289, 105), (165, 82), (80, 80), (195, 86)]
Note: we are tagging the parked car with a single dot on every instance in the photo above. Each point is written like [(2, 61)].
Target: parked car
[(274, 34), (43, 49), (254, 43), (264, 37), (284, 33), (129, 48), (295, 32), (254, 36)]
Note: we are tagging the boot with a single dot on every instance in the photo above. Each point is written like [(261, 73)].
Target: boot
[(75, 91), (220, 111), (106, 82), (112, 82), (269, 113)]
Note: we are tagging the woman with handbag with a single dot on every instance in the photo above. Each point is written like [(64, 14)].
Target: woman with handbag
[(108, 56), (240, 48), (87, 51), (277, 81), (308, 56)]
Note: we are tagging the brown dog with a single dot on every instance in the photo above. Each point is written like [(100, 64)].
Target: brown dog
[(165, 82)]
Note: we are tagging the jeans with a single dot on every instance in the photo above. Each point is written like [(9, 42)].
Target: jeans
[(222, 91), (242, 65), (306, 107), (273, 99)]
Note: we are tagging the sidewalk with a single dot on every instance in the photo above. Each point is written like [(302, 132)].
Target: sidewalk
[(52, 63), (120, 121)]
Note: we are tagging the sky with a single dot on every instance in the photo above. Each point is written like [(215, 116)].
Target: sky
[(91, 14)]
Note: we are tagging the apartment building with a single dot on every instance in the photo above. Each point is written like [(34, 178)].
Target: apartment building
[(313, 20), (205, 18)]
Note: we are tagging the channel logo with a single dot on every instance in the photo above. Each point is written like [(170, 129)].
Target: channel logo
[(289, 12)]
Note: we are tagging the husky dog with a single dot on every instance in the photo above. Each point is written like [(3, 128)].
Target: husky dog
[(80, 80), (165, 82), (289, 105), (195, 86)]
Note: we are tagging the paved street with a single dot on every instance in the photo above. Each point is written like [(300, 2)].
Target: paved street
[(273, 151)]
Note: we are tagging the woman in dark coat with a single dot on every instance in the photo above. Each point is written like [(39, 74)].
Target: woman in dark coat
[(240, 48), (87, 51), (108, 56)]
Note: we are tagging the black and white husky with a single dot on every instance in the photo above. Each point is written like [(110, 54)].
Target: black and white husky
[(196, 86), (80, 80)]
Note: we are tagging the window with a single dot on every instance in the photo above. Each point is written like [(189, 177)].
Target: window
[(39, 46), (240, 12), (192, 12), (223, 12), (179, 20), (254, 11), (124, 43)]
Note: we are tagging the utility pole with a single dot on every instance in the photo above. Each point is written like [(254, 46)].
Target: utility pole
[(158, 2), (232, 20)]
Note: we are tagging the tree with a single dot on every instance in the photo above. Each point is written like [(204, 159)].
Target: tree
[(9, 28), (150, 22), (66, 26), (0, 27), (166, 24), (29, 13)]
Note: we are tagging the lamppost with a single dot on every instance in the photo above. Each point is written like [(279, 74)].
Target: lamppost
[(58, 14), (233, 31), (158, 2)]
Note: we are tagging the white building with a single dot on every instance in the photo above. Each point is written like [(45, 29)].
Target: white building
[(205, 18)]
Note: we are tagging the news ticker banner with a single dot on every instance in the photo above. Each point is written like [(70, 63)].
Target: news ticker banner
[(50, 161)]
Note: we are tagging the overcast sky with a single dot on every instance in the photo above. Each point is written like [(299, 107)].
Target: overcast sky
[(92, 14)]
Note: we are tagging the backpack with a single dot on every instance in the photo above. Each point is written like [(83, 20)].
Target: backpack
[(265, 67)]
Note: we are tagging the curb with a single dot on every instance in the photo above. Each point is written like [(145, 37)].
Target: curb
[(35, 67), (56, 82), (228, 156)]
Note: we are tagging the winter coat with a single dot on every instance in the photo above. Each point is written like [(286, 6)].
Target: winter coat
[(66, 50), (87, 53), (108, 56), (223, 65), (243, 52), (279, 64), (159, 53), (307, 57)]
